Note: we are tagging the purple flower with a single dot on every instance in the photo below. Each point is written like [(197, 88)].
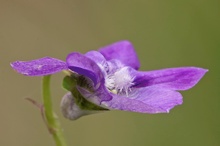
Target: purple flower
[(109, 78)]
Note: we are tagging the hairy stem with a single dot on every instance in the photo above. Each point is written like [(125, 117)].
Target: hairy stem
[(52, 120)]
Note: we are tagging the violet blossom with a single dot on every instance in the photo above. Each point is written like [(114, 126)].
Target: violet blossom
[(109, 79)]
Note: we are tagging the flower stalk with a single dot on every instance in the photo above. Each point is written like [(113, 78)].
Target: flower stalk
[(52, 120)]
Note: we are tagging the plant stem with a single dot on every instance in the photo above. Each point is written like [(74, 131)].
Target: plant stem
[(52, 120)]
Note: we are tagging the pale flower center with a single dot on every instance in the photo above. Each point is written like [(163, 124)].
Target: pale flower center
[(119, 82)]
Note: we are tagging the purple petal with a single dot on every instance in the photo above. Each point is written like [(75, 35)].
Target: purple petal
[(127, 104), (96, 56), (99, 59), (159, 98), (103, 94), (85, 66), (147, 100), (123, 51), (39, 67), (114, 65), (182, 78), (100, 95)]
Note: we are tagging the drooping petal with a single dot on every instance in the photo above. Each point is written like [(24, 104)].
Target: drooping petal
[(182, 78), (85, 66), (147, 100), (123, 51), (39, 67)]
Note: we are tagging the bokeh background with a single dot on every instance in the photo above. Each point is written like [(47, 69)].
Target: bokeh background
[(165, 34)]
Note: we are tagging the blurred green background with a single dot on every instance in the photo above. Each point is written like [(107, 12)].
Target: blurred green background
[(165, 34)]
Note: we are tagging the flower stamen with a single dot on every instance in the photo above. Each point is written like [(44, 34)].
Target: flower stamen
[(120, 82)]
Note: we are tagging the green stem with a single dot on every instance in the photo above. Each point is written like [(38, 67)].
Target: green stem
[(52, 121)]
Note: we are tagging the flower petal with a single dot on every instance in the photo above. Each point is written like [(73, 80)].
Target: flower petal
[(39, 67), (114, 65), (96, 56), (103, 94), (182, 78), (123, 51), (100, 95), (147, 100), (159, 98), (99, 59), (85, 66)]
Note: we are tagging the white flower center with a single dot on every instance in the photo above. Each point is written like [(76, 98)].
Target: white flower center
[(120, 81)]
